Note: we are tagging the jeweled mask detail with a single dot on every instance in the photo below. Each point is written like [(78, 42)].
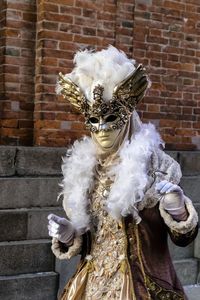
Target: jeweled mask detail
[(126, 95)]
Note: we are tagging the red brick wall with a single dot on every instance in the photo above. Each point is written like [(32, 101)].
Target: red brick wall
[(2, 49), (166, 39), (18, 65), (164, 35), (61, 30)]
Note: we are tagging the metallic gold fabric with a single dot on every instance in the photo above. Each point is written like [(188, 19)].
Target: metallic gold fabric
[(124, 256), (127, 291), (108, 250), (75, 288)]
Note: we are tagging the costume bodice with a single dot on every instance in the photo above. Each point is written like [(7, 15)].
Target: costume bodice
[(108, 246)]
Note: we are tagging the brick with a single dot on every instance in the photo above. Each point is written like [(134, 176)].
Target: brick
[(30, 17), (50, 25), (169, 123), (153, 108), (50, 61), (14, 14), (89, 31), (159, 40), (10, 123), (58, 17), (12, 51), (63, 36), (167, 44), (25, 124), (71, 10), (85, 40), (85, 21), (86, 4), (51, 7), (21, 6), (63, 2)]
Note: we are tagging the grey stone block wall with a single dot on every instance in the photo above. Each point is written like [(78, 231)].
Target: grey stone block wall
[(29, 180), (29, 188), (187, 270), (26, 223), (28, 161), (27, 192), (40, 286), (20, 257)]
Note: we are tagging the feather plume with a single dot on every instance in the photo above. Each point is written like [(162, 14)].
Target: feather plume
[(131, 175), (106, 67), (78, 174), (131, 178)]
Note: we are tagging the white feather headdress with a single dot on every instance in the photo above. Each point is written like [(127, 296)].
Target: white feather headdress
[(106, 67)]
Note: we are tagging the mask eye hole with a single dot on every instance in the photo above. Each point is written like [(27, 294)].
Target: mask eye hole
[(111, 118), (93, 120)]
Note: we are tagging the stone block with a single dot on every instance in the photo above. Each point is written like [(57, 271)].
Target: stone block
[(66, 269), (23, 223), (37, 221), (192, 291), (26, 257), (39, 160), (7, 160), (29, 192), (191, 187), (40, 286), (197, 246), (190, 162), (197, 207), (187, 270), (173, 154), (13, 225), (180, 252)]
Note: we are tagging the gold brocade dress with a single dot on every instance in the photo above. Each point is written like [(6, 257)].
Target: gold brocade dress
[(106, 273), (108, 276)]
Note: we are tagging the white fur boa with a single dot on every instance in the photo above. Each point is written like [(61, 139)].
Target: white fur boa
[(78, 171), (131, 176)]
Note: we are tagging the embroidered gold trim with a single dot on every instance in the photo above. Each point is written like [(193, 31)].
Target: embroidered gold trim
[(176, 234), (128, 265), (133, 235), (140, 260), (161, 293), (126, 95)]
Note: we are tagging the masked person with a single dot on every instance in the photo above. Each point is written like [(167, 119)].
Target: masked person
[(120, 190)]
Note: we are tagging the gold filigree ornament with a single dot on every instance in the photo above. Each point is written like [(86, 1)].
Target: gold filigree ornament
[(126, 95)]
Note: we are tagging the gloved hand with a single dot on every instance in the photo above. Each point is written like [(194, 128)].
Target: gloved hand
[(61, 229), (171, 197)]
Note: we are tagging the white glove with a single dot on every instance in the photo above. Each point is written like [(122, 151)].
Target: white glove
[(171, 197), (61, 229)]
